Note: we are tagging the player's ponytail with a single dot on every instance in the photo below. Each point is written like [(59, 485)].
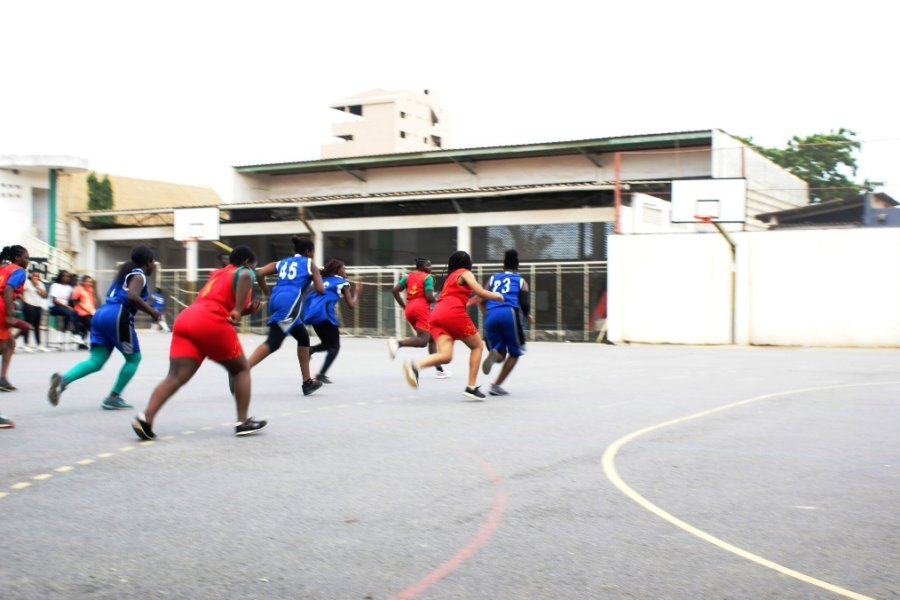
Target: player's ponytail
[(10, 253), (242, 255), (332, 267)]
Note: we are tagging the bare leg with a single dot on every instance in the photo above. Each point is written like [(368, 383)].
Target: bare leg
[(259, 354), (443, 354), (8, 347), (180, 372), (420, 340), (239, 371), (476, 346), (505, 370)]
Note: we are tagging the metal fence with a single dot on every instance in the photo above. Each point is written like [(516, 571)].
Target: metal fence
[(563, 298)]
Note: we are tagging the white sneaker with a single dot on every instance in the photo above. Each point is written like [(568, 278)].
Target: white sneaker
[(445, 374), (393, 346), (28, 348), (44, 349), (78, 339)]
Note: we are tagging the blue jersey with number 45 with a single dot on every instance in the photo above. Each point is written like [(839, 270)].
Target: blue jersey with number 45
[(507, 283), (294, 276)]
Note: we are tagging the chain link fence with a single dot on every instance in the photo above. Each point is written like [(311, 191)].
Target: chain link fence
[(564, 297)]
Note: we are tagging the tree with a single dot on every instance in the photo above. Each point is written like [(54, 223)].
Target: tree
[(826, 161), (100, 197)]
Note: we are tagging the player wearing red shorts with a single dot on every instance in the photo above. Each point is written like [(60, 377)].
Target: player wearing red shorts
[(206, 329), (450, 322), (12, 281), (419, 286)]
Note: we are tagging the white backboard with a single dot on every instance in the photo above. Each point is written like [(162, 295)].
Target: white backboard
[(196, 223), (723, 200)]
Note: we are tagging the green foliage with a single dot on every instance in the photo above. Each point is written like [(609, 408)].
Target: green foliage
[(100, 197), (826, 161)]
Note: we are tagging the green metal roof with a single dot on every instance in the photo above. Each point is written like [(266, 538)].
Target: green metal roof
[(468, 155)]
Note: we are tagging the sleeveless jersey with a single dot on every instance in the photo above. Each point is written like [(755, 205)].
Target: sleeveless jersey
[(416, 284), (453, 293), (218, 293), (507, 283), (318, 308), (12, 275), (118, 292), (294, 276)]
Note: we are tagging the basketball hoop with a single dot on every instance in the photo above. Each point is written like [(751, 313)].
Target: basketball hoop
[(706, 219)]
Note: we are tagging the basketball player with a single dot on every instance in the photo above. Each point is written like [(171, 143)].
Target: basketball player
[(419, 286)]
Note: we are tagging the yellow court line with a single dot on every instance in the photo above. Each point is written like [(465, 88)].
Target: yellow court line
[(85, 461), (104, 455), (4, 494), (20, 486), (64, 469), (42, 476), (609, 469)]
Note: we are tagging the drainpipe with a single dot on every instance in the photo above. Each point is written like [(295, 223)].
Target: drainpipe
[(51, 232), (617, 169)]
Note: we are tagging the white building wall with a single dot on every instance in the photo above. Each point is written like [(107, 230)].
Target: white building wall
[(831, 287), (669, 289), (825, 287), (15, 205)]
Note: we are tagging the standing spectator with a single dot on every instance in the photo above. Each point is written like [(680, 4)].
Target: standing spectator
[(158, 302), (84, 301), (60, 299), (318, 311), (34, 296)]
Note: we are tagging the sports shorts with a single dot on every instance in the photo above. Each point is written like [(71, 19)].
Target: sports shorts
[(418, 314), (200, 332)]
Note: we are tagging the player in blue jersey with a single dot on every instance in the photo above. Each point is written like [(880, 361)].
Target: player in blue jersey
[(503, 321), (113, 327), (158, 302), (295, 275), (318, 311)]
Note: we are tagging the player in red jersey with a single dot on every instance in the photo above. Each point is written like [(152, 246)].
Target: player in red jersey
[(450, 322), (12, 280), (206, 329), (419, 286)]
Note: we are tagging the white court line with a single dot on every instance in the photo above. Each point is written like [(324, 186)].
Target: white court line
[(609, 469)]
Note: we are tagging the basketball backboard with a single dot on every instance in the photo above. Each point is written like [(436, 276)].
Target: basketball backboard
[(722, 200), (196, 223)]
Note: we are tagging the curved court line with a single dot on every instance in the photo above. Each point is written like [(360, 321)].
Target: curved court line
[(475, 542), (609, 469)]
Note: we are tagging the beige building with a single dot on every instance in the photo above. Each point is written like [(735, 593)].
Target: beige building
[(388, 122)]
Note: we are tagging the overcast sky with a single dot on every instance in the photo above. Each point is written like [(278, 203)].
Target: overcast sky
[(181, 91)]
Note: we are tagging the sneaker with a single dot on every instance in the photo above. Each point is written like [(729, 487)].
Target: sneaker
[(393, 346), (6, 423), (445, 374), (57, 385), (496, 390), (411, 373), (310, 385), (78, 339), (115, 403), (28, 349), (6, 386), (474, 393), (142, 427), (45, 349), (323, 378), (249, 427), (492, 358)]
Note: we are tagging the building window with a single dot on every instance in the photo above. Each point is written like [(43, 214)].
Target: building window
[(346, 138), (403, 134), (436, 140), (402, 115)]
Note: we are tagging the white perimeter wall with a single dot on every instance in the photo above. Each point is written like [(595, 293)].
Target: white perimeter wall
[(837, 287)]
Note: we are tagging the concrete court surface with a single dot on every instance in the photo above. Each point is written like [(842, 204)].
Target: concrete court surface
[(609, 472)]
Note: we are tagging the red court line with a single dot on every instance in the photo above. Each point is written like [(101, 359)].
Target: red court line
[(483, 535)]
